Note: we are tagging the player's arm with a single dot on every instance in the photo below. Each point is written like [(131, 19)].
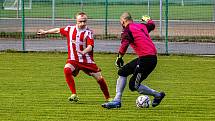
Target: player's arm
[(90, 44), (150, 25), (119, 60), (50, 31), (87, 50), (126, 37)]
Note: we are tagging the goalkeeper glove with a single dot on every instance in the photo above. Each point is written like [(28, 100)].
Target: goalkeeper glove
[(145, 18), (119, 62)]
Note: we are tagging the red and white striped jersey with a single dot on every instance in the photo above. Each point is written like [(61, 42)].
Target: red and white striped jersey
[(78, 40)]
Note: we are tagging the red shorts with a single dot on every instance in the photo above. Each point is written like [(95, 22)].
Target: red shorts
[(87, 68)]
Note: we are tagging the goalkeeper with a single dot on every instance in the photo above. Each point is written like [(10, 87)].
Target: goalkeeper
[(136, 35)]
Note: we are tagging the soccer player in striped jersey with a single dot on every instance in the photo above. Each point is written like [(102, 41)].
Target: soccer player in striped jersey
[(80, 44), (137, 35)]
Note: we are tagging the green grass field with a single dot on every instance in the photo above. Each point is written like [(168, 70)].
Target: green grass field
[(33, 89), (97, 11)]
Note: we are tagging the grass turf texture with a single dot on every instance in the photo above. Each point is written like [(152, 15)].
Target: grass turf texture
[(97, 11), (33, 88)]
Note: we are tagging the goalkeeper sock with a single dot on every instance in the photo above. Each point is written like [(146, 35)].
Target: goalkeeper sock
[(104, 88), (120, 86), (146, 90), (70, 80)]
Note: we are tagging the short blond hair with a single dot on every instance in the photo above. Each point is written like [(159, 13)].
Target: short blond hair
[(126, 16), (81, 13)]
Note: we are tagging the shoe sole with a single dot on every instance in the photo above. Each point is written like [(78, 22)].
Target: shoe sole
[(109, 107)]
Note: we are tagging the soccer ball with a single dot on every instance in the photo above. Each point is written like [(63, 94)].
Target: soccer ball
[(143, 101)]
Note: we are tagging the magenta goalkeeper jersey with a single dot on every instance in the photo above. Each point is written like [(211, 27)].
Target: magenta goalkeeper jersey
[(137, 35)]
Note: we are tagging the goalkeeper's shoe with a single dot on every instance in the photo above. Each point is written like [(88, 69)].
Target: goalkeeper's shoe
[(112, 104), (73, 98), (156, 101)]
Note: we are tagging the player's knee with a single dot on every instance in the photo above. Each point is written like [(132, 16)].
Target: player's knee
[(121, 72), (70, 69), (132, 85), (67, 71), (100, 78)]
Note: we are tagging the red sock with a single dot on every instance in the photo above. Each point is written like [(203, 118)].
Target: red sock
[(70, 80), (104, 88)]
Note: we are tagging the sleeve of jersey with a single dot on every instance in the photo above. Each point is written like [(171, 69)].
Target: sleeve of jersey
[(90, 40), (124, 43), (150, 25), (64, 31)]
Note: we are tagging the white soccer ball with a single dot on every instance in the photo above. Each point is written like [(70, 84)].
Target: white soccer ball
[(143, 101)]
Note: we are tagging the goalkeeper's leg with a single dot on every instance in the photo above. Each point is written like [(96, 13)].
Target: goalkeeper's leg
[(121, 83), (145, 66), (139, 75)]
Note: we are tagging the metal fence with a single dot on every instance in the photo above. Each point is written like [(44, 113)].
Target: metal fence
[(189, 21)]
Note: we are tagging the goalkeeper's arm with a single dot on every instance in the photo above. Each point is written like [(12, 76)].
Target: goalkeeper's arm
[(145, 19), (148, 22), (119, 61)]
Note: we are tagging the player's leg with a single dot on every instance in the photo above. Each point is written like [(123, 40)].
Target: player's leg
[(94, 71), (140, 74), (68, 71), (145, 66), (103, 85), (120, 86), (123, 72), (149, 63), (116, 102)]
